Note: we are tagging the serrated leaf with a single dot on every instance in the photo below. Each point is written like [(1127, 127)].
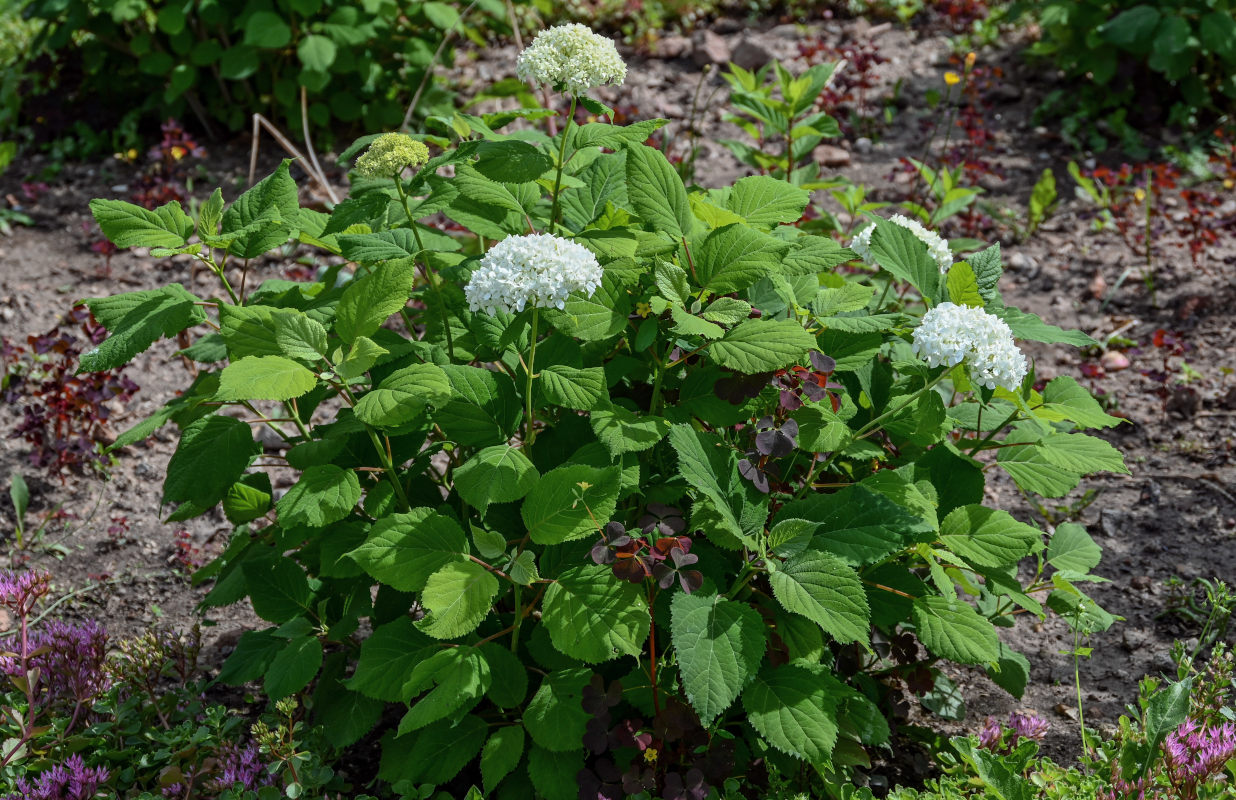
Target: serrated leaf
[(858, 525), (403, 550), (899, 252), (484, 409), (456, 678), (278, 590), (762, 200), (565, 502), (369, 301), (137, 320), (323, 495), (720, 645), (292, 669), (265, 216), (734, 257), (593, 617), (759, 345), (1065, 399), (623, 431), (497, 474), (656, 192), (403, 395), (570, 387), (822, 588), (1071, 548), (555, 716), (963, 288), (1025, 325), (265, 378), (795, 709), (127, 225), (954, 630), (456, 598), (212, 454), (988, 537), (1080, 453), (387, 659), (501, 755), (435, 754), (299, 336)]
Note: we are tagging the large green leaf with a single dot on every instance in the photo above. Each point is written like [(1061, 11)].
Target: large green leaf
[(555, 716), (858, 525), (987, 537), (369, 248), (265, 378), (1072, 549), (456, 678), (1029, 468), (952, 629), (484, 408), (403, 550), (795, 709), (1025, 325), (324, 494), (759, 345), (900, 252), (137, 320), (719, 644), (403, 395), (599, 316), (497, 474), (622, 431), (565, 502), (570, 387), (295, 665), (762, 200), (434, 754), (511, 161), (212, 454), (278, 590), (456, 598), (127, 225), (387, 659), (1080, 453), (501, 755), (265, 216), (369, 301), (1066, 399), (734, 257), (592, 616), (656, 192), (825, 590), (706, 464)]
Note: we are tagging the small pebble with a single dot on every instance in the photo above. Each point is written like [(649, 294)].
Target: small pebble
[(1114, 361)]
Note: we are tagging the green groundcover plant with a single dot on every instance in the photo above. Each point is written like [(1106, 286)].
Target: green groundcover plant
[(598, 480)]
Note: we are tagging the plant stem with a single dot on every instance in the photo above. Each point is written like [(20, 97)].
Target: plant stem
[(432, 279), (530, 420), (566, 132)]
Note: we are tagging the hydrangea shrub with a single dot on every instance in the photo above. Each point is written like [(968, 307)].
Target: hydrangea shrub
[(621, 483)]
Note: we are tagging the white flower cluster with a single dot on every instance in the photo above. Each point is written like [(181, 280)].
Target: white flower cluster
[(950, 334), (936, 246), (571, 56), (538, 270)]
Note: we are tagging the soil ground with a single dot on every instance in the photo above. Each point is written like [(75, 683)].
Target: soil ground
[(1174, 515)]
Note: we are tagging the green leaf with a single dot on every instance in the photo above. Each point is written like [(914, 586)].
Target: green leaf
[(369, 301), (622, 431), (316, 52), (456, 598), (987, 271), (278, 590), (485, 408), (812, 255), (900, 252), (324, 494), (1217, 30), (1011, 671), (265, 378), (595, 318), (566, 500), (719, 644), (1133, 29), (1080, 453), (459, 677), (706, 465), (569, 387), (137, 320), (963, 288), (212, 454), (127, 225), (403, 395), (434, 754), (387, 659), (656, 192), (988, 538), (248, 331), (1065, 399), (555, 717), (593, 617), (847, 297), (1166, 710), (369, 248), (1025, 325), (613, 137), (954, 630), (795, 709), (759, 345), (345, 717), (501, 755), (822, 588), (252, 657), (733, 257), (296, 665), (1071, 548), (362, 355), (300, 336), (762, 200), (858, 525), (511, 161), (267, 29), (497, 474), (265, 216), (403, 550)]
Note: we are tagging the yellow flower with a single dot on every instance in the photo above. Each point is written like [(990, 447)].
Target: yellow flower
[(970, 59), (952, 78), (650, 755), (1139, 194), (1229, 184), (643, 309), (178, 152)]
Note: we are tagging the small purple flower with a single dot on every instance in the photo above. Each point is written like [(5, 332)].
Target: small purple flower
[(241, 765), (991, 735), (72, 780), (1028, 726), (69, 657), (19, 591), (1195, 753)]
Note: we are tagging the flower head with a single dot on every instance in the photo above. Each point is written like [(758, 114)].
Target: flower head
[(389, 154), (573, 57), (1028, 726), (538, 270), (950, 334), (19, 591), (72, 780), (936, 246), (70, 658)]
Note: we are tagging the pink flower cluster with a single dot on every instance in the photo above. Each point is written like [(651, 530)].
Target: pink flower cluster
[(1022, 726), (1195, 753), (72, 780)]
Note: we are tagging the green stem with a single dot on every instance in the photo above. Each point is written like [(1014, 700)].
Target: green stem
[(218, 271), (389, 466), (519, 615), (530, 420), (873, 426), (432, 279), (566, 131)]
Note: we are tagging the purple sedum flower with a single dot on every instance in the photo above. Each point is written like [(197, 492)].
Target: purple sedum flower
[(241, 765), (1028, 726), (19, 591), (1195, 752), (69, 657), (72, 780)]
